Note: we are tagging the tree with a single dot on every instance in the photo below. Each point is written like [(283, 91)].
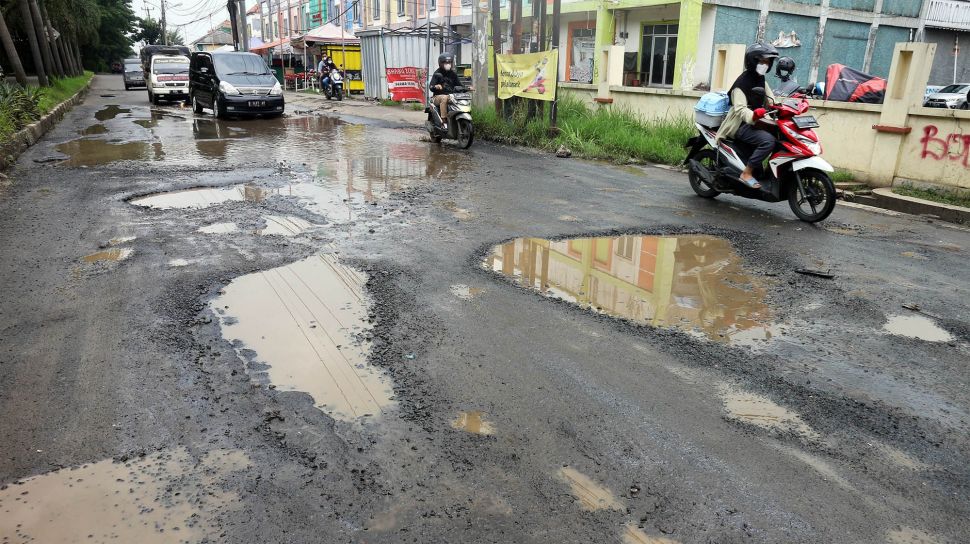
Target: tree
[(27, 22), (11, 51), (150, 33)]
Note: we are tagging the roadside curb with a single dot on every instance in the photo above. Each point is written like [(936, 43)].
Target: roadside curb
[(29, 135), (885, 198)]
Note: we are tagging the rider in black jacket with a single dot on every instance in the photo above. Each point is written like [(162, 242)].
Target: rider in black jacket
[(444, 81)]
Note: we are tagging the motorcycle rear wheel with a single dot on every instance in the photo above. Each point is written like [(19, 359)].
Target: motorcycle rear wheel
[(708, 160), (816, 191)]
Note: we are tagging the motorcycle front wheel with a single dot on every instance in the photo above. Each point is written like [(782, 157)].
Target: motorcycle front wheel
[(708, 159), (812, 196), (466, 133)]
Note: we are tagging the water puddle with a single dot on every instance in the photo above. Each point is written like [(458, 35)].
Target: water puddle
[(116, 254), (203, 197), (161, 498), (219, 228), (284, 226), (762, 412), (635, 535), (589, 494), (94, 130), (917, 326), (910, 535), (110, 112), (473, 422), (93, 152), (302, 321), (175, 263), (465, 292), (695, 283)]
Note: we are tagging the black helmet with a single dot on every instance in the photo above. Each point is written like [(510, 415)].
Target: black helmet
[(785, 68), (446, 58), (758, 51)]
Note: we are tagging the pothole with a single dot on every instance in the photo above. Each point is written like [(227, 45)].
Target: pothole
[(111, 255), (304, 322), (284, 226), (94, 152), (917, 326), (93, 130), (695, 283), (590, 494), (203, 197), (110, 112), (473, 422), (160, 498), (762, 412)]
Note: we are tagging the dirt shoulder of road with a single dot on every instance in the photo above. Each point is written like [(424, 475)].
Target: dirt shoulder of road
[(355, 106)]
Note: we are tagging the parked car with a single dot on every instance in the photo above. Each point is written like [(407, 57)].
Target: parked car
[(952, 96), (234, 83), (134, 76)]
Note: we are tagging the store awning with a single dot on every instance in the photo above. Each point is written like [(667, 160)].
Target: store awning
[(329, 33)]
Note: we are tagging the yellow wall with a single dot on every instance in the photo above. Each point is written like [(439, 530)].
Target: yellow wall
[(938, 149)]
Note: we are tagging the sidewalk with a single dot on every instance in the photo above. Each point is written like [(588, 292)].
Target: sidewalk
[(356, 106)]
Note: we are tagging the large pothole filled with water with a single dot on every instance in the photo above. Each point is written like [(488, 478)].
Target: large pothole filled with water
[(303, 327), (695, 283)]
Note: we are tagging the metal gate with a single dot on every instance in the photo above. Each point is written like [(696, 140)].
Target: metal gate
[(385, 48)]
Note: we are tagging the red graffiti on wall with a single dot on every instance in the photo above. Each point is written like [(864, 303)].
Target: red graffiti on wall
[(954, 146)]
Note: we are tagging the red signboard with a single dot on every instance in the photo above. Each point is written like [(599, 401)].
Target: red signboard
[(406, 83)]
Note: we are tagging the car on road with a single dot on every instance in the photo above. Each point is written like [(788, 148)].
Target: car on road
[(234, 83), (134, 76), (956, 96)]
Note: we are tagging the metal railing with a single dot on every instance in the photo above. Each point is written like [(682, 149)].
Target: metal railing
[(954, 14)]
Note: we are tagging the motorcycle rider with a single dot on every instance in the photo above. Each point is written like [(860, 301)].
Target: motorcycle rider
[(784, 71), (748, 107), (443, 83), (324, 67)]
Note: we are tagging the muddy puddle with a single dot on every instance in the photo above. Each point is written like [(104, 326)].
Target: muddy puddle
[(94, 130), (589, 494), (917, 326), (110, 112), (760, 411), (695, 283), (94, 152), (108, 255), (302, 321), (202, 197), (284, 226), (473, 422), (160, 498)]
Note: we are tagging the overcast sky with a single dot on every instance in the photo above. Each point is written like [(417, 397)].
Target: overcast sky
[(184, 12)]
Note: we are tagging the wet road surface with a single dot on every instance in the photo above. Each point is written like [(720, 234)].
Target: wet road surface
[(323, 328)]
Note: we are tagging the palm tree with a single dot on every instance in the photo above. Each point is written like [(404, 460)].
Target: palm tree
[(8, 47), (55, 51), (43, 39), (34, 46)]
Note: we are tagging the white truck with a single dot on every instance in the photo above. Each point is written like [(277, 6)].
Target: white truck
[(166, 73)]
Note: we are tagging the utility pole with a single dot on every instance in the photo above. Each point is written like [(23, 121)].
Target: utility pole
[(243, 29), (480, 53), (553, 113), (496, 47), (164, 30), (233, 23)]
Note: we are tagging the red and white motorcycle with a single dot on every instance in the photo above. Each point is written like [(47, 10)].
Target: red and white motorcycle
[(796, 171)]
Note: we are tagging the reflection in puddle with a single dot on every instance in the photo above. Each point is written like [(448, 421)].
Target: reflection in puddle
[(635, 535), (95, 129), (91, 152), (148, 501), (590, 494), (302, 321), (110, 112), (201, 197), (473, 422), (691, 282), (762, 412), (118, 254), (909, 535), (465, 292), (219, 228), (917, 326), (284, 226)]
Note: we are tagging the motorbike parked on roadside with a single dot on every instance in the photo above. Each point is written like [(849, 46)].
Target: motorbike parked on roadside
[(460, 126), (796, 171), (335, 87)]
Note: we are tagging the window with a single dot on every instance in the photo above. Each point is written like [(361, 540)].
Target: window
[(624, 247), (356, 11), (432, 5), (401, 7), (658, 55), (377, 10)]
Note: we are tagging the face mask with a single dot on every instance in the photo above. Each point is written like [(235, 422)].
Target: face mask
[(762, 69), (447, 67)]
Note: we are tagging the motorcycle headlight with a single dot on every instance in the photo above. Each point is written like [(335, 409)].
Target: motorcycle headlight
[(277, 90), (228, 88)]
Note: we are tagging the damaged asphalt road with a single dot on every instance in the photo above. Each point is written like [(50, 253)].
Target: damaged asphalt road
[(316, 329)]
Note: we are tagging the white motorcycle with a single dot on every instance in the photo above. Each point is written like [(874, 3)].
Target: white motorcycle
[(334, 89), (460, 125)]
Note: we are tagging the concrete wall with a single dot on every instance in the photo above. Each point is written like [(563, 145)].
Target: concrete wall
[(937, 151), (806, 28)]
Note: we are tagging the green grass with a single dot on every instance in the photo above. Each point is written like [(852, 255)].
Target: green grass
[(607, 133), (842, 176), (62, 89), (943, 196)]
